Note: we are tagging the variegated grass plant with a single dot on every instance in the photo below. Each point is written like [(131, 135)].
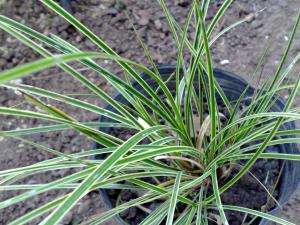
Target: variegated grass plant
[(178, 140)]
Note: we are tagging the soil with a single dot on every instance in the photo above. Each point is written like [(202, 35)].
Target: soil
[(238, 51)]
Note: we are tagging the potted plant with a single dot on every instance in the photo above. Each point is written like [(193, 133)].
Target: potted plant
[(178, 144)]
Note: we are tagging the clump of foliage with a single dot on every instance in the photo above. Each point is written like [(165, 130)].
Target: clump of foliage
[(194, 150)]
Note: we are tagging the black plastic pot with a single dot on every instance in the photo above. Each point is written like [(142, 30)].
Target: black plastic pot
[(233, 86)]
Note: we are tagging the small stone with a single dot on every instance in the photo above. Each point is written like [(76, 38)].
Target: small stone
[(224, 62), (143, 21), (126, 195), (8, 55), (68, 218), (2, 62), (78, 38), (84, 206), (256, 24), (132, 213), (162, 35), (111, 11), (118, 18), (144, 17), (157, 24)]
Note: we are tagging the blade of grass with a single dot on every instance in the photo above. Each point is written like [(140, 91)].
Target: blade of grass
[(50, 186), (72, 101), (98, 136), (59, 127), (253, 212), (214, 179), (213, 110), (173, 202), (41, 64), (158, 214)]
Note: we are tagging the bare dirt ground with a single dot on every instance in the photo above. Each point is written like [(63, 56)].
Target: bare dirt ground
[(238, 51)]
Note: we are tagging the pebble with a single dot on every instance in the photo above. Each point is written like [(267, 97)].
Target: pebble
[(126, 195), (2, 62), (144, 17), (256, 24), (157, 24), (118, 18), (68, 218), (8, 55), (79, 38), (111, 11), (132, 213), (84, 206), (224, 62)]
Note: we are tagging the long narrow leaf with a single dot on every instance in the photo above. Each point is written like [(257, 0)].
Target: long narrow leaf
[(173, 200)]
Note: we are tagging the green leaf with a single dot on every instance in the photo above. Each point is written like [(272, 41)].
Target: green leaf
[(214, 178), (253, 212), (173, 202), (42, 64), (98, 136), (59, 127)]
